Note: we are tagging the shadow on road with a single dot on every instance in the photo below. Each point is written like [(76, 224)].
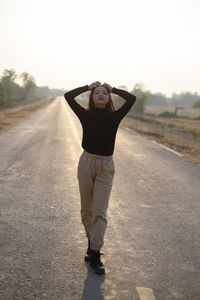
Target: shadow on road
[(92, 285)]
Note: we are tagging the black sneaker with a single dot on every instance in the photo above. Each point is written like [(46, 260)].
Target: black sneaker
[(95, 261), (88, 252)]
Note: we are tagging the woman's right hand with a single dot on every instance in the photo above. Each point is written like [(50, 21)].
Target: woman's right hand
[(94, 84)]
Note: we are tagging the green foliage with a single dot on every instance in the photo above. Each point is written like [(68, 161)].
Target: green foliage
[(10, 74), (141, 95), (185, 99), (196, 104), (12, 93), (195, 133), (29, 86), (167, 114), (157, 99), (180, 100), (163, 125), (8, 88)]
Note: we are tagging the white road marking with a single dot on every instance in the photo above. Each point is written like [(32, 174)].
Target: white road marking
[(169, 149), (131, 130), (145, 293), (165, 147)]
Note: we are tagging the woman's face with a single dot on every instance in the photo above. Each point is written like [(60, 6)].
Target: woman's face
[(100, 97)]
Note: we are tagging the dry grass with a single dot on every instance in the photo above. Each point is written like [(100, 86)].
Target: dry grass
[(176, 134), (185, 111)]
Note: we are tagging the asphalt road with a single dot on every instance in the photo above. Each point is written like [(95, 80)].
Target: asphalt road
[(152, 240)]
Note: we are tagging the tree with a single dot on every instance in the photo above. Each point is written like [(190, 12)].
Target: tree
[(2, 97), (12, 93), (196, 104), (157, 99), (186, 99), (9, 74), (29, 86), (141, 97), (9, 89)]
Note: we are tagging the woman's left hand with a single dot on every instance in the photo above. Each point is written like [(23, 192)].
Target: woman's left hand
[(108, 86)]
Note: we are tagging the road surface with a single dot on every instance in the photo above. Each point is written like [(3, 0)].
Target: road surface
[(152, 239)]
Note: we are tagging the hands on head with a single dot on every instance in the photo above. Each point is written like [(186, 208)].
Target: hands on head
[(98, 83)]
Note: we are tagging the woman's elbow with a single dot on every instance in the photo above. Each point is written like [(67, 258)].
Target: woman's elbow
[(66, 95), (134, 98)]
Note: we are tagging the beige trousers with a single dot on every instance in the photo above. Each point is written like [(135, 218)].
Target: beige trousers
[(95, 175)]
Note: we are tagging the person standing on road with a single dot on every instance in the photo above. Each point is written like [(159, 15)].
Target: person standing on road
[(96, 169)]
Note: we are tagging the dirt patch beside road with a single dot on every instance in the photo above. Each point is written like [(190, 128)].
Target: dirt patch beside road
[(175, 134), (10, 117)]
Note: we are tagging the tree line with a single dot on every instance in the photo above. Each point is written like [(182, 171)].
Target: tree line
[(146, 97), (12, 93)]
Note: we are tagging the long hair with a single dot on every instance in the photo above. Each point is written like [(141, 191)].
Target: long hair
[(108, 108)]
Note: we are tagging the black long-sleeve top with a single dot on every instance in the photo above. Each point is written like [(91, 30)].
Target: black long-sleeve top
[(99, 128)]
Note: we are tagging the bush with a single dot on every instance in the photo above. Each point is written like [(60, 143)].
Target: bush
[(141, 97), (195, 133), (167, 114), (163, 125), (196, 104)]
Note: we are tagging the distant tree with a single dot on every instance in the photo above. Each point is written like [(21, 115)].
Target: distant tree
[(141, 95), (43, 92), (123, 87), (2, 97), (157, 99), (9, 74), (29, 86), (196, 104), (12, 93), (9, 88), (186, 99)]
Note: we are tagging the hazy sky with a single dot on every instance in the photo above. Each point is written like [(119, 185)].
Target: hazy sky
[(66, 44)]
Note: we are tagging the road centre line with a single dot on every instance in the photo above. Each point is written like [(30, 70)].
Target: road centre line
[(145, 293)]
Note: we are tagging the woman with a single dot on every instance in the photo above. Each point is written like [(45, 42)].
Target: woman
[(96, 166)]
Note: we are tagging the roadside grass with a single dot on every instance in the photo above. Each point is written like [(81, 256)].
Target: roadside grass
[(187, 124), (195, 133), (179, 134), (163, 125)]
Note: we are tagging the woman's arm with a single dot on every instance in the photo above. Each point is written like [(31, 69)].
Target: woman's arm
[(128, 97), (69, 96)]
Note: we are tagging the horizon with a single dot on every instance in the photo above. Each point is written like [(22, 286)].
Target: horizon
[(157, 44), (19, 82)]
